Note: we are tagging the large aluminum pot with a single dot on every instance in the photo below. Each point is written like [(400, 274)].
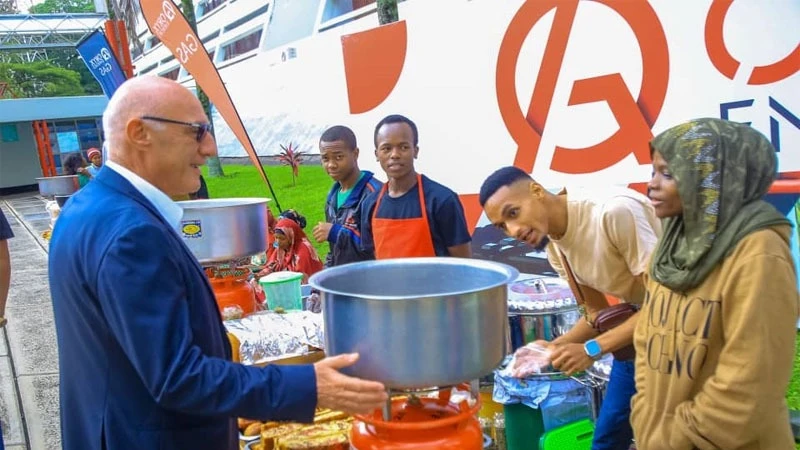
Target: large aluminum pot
[(60, 185), (223, 230), (416, 322)]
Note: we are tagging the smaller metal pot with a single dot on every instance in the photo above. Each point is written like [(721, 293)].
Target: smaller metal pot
[(61, 185), (224, 230)]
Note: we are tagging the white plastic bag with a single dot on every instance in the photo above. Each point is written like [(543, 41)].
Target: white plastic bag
[(529, 360), (54, 210)]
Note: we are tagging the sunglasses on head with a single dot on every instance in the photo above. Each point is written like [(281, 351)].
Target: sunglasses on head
[(200, 128)]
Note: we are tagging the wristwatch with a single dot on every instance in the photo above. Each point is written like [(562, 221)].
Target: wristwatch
[(592, 348)]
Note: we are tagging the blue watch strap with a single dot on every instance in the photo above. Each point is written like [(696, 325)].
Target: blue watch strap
[(592, 349)]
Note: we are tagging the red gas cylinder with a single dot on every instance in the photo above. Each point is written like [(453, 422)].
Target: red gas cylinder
[(421, 423), (235, 296)]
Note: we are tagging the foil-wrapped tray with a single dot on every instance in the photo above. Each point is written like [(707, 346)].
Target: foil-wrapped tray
[(269, 336)]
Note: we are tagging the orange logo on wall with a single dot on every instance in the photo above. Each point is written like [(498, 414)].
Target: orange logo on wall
[(635, 117), (727, 65), (373, 62), (374, 59)]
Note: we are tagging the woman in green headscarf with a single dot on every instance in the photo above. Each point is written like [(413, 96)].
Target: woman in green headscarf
[(715, 338)]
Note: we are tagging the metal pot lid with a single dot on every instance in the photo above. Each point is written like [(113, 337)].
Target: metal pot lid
[(540, 295)]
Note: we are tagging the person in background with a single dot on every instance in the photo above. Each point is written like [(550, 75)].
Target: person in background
[(96, 160), (5, 265), (260, 261), (715, 343), (144, 359), (293, 251), (75, 165), (339, 154), (5, 278), (411, 215), (604, 238), (202, 193), (291, 214)]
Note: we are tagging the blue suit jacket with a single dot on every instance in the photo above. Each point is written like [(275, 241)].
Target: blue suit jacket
[(144, 358)]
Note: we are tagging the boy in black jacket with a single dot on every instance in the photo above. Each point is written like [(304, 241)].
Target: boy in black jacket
[(339, 155)]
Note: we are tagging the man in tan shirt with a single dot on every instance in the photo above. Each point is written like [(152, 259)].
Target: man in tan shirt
[(606, 236)]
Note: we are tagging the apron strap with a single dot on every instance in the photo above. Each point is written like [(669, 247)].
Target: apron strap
[(421, 199), (378, 203)]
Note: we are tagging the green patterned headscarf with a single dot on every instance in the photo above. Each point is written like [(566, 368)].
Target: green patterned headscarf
[(723, 170)]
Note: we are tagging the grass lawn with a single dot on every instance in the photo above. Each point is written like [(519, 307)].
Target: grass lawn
[(307, 196), (793, 396)]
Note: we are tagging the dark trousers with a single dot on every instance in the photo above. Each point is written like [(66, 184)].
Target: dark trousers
[(613, 430)]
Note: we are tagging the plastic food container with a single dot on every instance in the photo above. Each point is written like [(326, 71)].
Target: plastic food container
[(283, 290)]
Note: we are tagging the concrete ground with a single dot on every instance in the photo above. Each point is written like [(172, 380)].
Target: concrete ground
[(29, 411)]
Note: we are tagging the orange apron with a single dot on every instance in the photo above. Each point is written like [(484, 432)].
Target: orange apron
[(402, 238)]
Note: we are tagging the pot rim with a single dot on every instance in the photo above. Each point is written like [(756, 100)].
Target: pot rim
[(55, 177), (511, 273), (544, 312), (220, 203)]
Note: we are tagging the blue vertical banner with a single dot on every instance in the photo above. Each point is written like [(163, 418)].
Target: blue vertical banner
[(98, 57)]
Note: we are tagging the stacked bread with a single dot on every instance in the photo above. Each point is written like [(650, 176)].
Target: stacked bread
[(330, 431)]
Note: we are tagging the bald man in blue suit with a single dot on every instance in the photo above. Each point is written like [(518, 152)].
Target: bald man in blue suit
[(144, 357)]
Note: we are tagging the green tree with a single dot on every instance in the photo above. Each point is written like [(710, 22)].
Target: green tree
[(387, 11), (63, 6), (8, 7), (213, 163), (41, 79), (69, 59)]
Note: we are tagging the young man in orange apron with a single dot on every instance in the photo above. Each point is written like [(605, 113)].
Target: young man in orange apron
[(412, 215)]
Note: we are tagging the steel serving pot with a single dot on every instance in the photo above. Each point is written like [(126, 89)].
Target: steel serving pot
[(61, 185), (540, 308), (416, 322), (224, 230)]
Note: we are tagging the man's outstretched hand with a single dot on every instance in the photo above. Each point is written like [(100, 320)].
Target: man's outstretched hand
[(343, 393)]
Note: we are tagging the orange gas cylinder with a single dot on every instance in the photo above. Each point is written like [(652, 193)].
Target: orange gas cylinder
[(235, 296), (420, 423)]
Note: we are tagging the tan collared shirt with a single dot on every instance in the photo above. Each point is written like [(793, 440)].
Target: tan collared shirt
[(610, 236)]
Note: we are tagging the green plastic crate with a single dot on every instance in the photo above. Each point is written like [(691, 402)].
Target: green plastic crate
[(575, 436)]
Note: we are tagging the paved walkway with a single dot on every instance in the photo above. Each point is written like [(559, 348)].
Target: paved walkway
[(28, 352)]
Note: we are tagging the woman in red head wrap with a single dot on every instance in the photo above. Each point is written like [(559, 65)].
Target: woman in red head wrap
[(292, 252)]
